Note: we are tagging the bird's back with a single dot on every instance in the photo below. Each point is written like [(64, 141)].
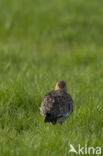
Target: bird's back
[(56, 104)]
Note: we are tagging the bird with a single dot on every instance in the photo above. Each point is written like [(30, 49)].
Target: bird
[(57, 105)]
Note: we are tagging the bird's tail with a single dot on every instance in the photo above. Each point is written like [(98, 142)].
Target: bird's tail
[(49, 118)]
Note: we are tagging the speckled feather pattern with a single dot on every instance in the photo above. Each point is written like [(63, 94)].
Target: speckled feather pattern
[(57, 103)]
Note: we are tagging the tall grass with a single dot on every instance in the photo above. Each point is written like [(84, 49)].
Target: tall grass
[(42, 42)]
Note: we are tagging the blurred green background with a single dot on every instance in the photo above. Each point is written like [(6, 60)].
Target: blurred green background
[(42, 42)]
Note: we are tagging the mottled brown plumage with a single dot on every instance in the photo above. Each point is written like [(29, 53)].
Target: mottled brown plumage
[(57, 105)]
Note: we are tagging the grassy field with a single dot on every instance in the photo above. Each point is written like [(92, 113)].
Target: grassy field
[(42, 42)]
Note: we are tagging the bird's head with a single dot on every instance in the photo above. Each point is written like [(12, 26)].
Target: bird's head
[(61, 85)]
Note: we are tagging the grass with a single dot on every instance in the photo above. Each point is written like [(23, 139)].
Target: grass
[(42, 42)]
